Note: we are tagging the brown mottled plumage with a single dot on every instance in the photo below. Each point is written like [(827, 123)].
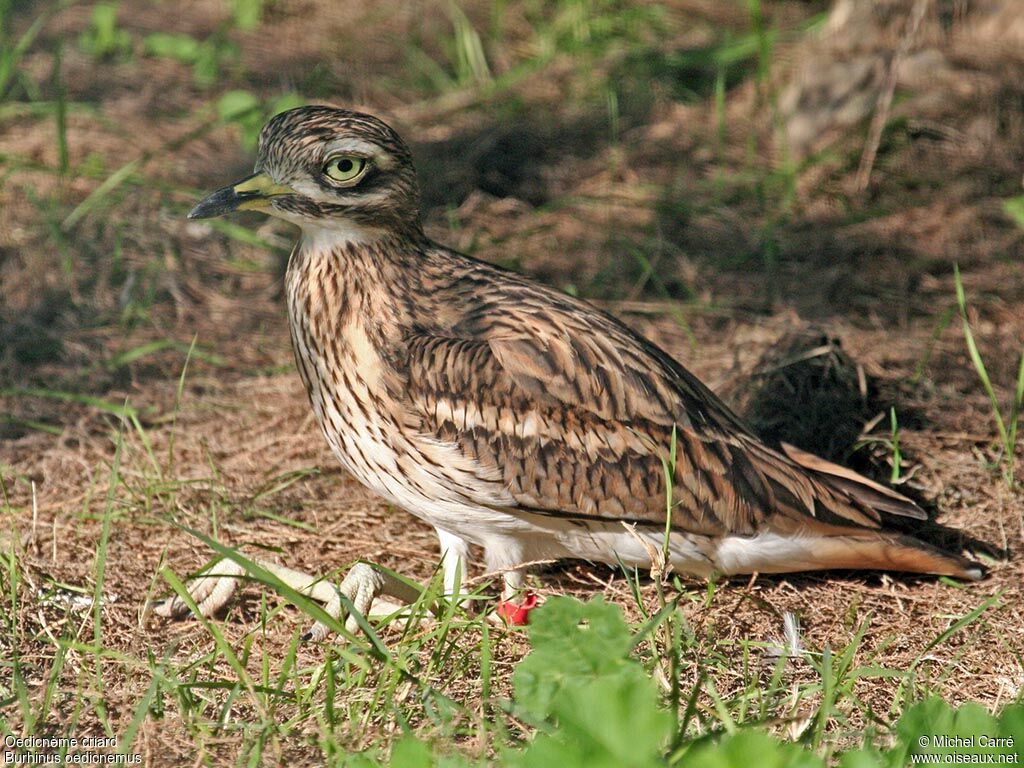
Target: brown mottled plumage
[(512, 416)]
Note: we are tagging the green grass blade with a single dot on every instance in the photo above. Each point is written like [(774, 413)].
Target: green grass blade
[(1018, 406), (123, 411), (101, 572), (979, 364), (218, 637), (112, 182)]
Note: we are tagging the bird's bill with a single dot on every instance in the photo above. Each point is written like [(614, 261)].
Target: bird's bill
[(250, 194)]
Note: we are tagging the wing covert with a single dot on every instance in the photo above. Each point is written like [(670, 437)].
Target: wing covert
[(577, 415)]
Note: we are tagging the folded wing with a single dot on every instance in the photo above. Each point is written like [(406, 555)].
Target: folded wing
[(580, 418)]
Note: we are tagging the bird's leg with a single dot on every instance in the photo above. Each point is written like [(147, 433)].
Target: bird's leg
[(361, 586), (516, 603), (364, 584), (506, 556), (454, 554), (512, 584)]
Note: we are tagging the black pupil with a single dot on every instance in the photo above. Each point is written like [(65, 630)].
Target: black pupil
[(345, 166)]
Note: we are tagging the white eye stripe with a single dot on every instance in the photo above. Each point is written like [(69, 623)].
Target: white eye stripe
[(351, 146), (361, 148)]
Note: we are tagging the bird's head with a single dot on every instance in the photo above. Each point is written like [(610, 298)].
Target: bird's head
[(333, 171)]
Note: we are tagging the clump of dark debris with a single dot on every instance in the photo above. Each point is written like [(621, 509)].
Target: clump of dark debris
[(806, 390)]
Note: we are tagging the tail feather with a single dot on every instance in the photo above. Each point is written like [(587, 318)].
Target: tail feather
[(856, 535), (859, 489), (892, 553)]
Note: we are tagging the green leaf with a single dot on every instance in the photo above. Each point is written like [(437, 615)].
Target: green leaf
[(1011, 725), (594, 703), (411, 753), (616, 719), (285, 102), (931, 727), (864, 758), (103, 38), (572, 642), (1014, 208), (747, 748), (247, 13), (116, 409), (171, 46), (234, 104), (206, 66)]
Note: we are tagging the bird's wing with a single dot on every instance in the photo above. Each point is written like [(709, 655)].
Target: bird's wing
[(579, 417)]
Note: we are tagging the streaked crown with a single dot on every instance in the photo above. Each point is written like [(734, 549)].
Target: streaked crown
[(343, 166)]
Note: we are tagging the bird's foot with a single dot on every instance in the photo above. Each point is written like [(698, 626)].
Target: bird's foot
[(363, 585), (209, 592), (517, 613)]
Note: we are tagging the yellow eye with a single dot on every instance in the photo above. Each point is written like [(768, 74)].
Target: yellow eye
[(345, 167)]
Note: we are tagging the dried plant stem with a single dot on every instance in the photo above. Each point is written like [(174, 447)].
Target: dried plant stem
[(884, 104)]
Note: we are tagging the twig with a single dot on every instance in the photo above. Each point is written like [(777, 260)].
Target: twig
[(884, 104)]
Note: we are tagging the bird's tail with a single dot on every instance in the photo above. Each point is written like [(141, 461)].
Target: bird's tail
[(890, 552), (865, 493), (882, 550)]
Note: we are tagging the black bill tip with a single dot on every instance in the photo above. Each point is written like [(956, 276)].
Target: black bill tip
[(218, 203)]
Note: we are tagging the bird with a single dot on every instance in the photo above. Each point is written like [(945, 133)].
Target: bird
[(509, 415)]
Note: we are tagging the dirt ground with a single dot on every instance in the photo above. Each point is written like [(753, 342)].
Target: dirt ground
[(697, 224)]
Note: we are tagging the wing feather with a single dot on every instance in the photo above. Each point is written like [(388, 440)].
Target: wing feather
[(577, 415)]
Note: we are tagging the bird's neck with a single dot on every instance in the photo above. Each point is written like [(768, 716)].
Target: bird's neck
[(338, 233), (337, 286), (332, 233)]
